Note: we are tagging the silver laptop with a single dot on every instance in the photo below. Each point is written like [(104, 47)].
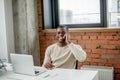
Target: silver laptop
[(23, 64)]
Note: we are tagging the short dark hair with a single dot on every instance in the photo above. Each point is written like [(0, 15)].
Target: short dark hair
[(63, 27)]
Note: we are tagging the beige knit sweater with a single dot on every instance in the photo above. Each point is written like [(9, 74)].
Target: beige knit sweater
[(64, 57)]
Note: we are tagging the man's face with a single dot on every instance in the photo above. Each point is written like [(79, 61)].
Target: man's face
[(61, 34)]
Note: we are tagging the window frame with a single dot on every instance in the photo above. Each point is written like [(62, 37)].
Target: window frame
[(54, 7)]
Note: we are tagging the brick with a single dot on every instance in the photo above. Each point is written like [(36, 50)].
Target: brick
[(109, 37), (87, 50), (82, 45), (93, 64), (85, 37), (99, 60), (103, 51), (101, 37), (86, 63), (112, 51), (108, 33), (109, 65), (99, 51), (84, 41), (77, 33), (117, 76), (93, 37), (93, 55), (42, 50), (92, 46), (81, 42), (49, 34), (117, 70), (118, 47), (76, 37), (108, 46), (54, 41), (87, 41), (80, 64), (107, 56), (92, 33), (114, 42), (116, 37), (114, 61), (110, 56), (42, 57), (88, 59), (101, 64), (99, 42), (117, 66)]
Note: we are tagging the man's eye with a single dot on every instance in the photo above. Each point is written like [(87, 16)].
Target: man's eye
[(58, 32), (63, 32)]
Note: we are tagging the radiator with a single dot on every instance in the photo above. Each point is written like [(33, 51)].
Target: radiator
[(104, 73)]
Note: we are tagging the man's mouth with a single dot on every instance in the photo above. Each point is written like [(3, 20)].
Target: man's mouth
[(61, 38)]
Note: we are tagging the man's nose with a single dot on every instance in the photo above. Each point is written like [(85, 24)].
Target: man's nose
[(61, 34)]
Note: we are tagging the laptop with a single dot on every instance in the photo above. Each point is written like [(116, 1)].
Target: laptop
[(23, 64)]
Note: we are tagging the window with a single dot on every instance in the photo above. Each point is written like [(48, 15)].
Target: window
[(79, 13), (74, 13), (113, 13)]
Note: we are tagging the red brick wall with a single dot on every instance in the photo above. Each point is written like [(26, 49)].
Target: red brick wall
[(102, 47)]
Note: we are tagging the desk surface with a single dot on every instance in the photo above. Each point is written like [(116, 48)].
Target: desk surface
[(55, 74)]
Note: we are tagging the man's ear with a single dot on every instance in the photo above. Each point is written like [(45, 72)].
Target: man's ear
[(56, 37)]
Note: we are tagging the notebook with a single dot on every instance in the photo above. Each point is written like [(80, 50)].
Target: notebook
[(23, 64)]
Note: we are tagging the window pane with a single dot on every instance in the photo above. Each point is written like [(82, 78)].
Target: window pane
[(79, 11), (114, 13)]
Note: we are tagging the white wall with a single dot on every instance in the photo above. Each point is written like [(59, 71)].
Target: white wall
[(6, 29)]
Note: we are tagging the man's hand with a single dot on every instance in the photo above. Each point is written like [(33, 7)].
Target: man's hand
[(49, 66), (67, 38)]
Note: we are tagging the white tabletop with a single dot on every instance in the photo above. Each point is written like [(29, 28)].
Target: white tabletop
[(55, 74), (72, 74)]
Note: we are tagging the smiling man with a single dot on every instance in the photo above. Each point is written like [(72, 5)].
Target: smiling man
[(64, 53)]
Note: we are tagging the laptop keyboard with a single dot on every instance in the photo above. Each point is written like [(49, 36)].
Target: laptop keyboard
[(39, 71)]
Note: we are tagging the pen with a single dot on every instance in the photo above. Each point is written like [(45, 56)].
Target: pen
[(46, 76), (12, 78)]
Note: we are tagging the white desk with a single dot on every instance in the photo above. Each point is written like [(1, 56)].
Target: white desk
[(55, 74)]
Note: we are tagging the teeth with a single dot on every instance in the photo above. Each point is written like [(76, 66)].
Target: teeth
[(61, 37)]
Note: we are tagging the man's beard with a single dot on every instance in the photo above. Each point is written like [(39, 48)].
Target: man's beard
[(62, 41)]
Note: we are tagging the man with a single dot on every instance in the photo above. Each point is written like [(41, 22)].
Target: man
[(64, 53)]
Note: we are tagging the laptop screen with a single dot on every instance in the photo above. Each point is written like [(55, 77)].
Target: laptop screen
[(22, 64)]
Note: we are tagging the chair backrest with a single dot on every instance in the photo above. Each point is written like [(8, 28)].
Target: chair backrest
[(2, 65), (76, 64)]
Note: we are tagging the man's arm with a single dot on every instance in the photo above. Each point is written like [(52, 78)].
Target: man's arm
[(78, 52), (47, 61)]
